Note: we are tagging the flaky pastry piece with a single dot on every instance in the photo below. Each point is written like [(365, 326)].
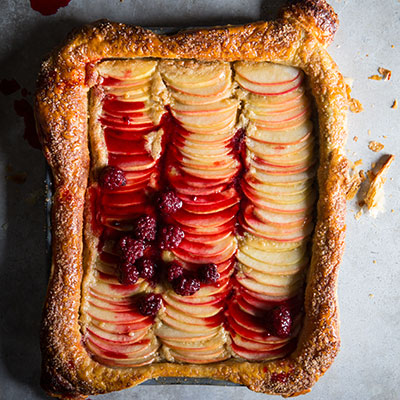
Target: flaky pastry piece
[(298, 38)]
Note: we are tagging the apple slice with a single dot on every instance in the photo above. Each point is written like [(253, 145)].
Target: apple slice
[(272, 280), (117, 291), (256, 346), (207, 250), (270, 90), (187, 327), (205, 259), (165, 332), (267, 245), (207, 109), (216, 342), (282, 190), (282, 220), (274, 291), (123, 348), (207, 220), (285, 179), (281, 258), (285, 136), (122, 329), (129, 338), (125, 363), (273, 269), (109, 83), (279, 109), (258, 355), (193, 74), (265, 73), (191, 309), (216, 119), (124, 317), (133, 69), (194, 320), (196, 359)]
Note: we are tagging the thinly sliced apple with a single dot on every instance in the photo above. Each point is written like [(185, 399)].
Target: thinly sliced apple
[(165, 332), (197, 359), (267, 245), (281, 291), (129, 338), (271, 269), (281, 220), (183, 326), (217, 119), (264, 73), (207, 109), (124, 317), (270, 90), (279, 109), (272, 280), (118, 291), (256, 346), (297, 178), (216, 342), (286, 136), (200, 100), (191, 74), (193, 320), (281, 258), (259, 355), (282, 190), (191, 309), (131, 349), (133, 69)]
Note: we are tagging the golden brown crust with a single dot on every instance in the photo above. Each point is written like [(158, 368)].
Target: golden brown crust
[(297, 39)]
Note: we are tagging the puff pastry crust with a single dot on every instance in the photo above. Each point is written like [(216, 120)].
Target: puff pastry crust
[(298, 38)]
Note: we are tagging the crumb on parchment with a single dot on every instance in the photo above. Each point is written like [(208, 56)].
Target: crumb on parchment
[(355, 105), (375, 146), (394, 105)]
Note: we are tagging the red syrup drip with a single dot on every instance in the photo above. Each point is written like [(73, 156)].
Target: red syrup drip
[(24, 110), (9, 86), (48, 7)]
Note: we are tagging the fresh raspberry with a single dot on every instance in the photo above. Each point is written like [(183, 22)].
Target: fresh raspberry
[(112, 178), (150, 304), (171, 237), (186, 286), (281, 321), (130, 249), (174, 272), (208, 273), (146, 227), (147, 268), (127, 274), (169, 203)]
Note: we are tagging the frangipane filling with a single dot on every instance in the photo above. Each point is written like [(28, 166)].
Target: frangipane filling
[(199, 211)]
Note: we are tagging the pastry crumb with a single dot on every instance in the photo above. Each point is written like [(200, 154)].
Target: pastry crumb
[(394, 105), (374, 261), (355, 183), (358, 215), (386, 73), (371, 295), (374, 198), (355, 106), (355, 138), (369, 132), (375, 146), (358, 162)]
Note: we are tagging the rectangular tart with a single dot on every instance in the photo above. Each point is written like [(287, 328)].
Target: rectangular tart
[(198, 213)]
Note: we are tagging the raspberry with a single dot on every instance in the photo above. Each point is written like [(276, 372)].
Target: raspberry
[(147, 268), (208, 273), (171, 237), (174, 272), (130, 249), (146, 227), (281, 321), (150, 304), (169, 203), (112, 178), (186, 286), (127, 274)]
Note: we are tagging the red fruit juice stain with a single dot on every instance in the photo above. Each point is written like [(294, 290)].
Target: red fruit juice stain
[(9, 86), (24, 110), (48, 7)]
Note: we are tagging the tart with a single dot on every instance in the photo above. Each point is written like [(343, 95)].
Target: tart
[(198, 213)]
